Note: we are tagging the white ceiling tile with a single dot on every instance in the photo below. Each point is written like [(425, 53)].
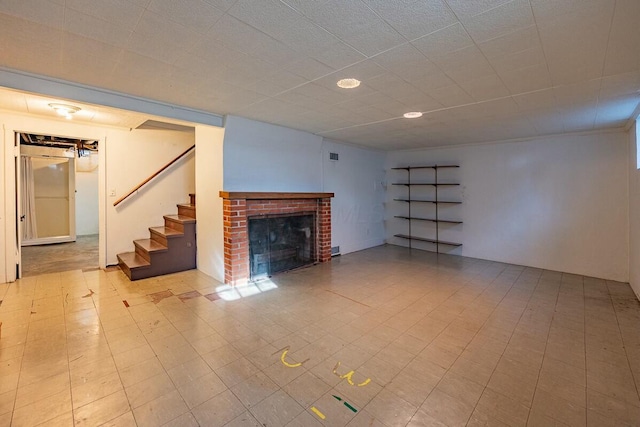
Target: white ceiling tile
[(339, 55), (413, 18), (31, 51), (268, 16), (442, 42), (537, 100), (485, 88), (526, 79), (520, 40), (624, 38), (577, 94), (451, 96), (198, 13), (161, 39), (499, 21), (122, 12), (88, 61), (579, 119), (220, 4), (44, 12), (522, 59), (465, 9), (230, 32), (553, 9), (465, 64), (95, 28), (620, 85)]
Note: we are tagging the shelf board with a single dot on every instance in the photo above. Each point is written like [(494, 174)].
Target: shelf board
[(428, 201), (428, 219), (439, 184), (422, 239), (406, 168)]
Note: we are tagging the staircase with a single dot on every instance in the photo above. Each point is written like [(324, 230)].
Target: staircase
[(170, 249)]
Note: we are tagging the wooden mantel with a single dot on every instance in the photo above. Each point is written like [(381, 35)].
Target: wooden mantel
[(231, 195)]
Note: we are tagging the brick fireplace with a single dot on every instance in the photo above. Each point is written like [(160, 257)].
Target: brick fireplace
[(240, 207)]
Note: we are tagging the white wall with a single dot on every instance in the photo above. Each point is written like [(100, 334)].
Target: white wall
[(209, 173), (357, 211), (131, 157), (559, 203), (87, 202), (264, 157), (634, 209)]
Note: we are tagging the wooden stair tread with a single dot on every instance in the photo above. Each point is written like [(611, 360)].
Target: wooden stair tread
[(186, 205), (166, 231), (132, 260), (150, 245), (180, 218)]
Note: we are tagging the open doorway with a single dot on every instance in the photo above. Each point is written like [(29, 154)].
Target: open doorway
[(58, 204)]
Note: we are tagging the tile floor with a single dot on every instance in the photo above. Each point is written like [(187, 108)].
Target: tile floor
[(398, 337)]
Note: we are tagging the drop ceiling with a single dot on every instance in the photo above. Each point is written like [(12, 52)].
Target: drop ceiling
[(479, 70)]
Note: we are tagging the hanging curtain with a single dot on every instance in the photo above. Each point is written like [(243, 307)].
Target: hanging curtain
[(28, 202)]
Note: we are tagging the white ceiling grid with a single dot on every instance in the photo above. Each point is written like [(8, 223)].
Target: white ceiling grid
[(480, 70)]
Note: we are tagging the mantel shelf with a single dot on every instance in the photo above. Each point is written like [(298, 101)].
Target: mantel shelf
[(272, 196)]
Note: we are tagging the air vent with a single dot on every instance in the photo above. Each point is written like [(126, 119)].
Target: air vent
[(335, 251), (333, 156)]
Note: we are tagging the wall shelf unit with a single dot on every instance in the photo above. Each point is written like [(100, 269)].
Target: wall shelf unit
[(423, 197)]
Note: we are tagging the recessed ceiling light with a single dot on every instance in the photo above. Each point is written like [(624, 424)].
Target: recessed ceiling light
[(412, 115), (348, 83), (65, 110)]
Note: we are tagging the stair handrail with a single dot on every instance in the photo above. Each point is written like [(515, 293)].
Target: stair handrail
[(162, 169)]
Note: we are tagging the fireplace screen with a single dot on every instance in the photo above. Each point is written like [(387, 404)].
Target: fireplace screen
[(279, 243)]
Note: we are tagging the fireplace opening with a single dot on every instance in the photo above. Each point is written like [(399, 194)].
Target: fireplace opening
[(281, 242)]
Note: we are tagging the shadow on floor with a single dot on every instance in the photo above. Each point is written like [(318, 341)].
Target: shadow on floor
[(79, 255)]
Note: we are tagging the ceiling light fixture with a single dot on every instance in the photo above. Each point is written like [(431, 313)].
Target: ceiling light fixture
[(348, 83), (412, 115), (65, 110)]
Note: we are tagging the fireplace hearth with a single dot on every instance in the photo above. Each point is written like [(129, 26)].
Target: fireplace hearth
[(265, 233)]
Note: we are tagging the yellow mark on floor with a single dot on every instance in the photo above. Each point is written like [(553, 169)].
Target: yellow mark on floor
[(349, 375), (285, 350), (318, 413)]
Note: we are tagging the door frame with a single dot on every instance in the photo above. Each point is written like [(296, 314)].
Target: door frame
[(16, 124)]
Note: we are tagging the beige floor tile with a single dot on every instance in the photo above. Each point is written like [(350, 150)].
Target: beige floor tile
[(7, 400), (446, 409), (520, 389), (479, 419), (124, 420), (160, 410), (221, 356), (149, 389), (202, 389), (244, 420), (306, 389), (42, 389), (559, 409), (95, 388), (134, 374), (391, 409), (218, 410), (278, 409), (304, 419), (103, 410), (502, 408), (613, 409), (43, 410), (236, 371), (558, 386)]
